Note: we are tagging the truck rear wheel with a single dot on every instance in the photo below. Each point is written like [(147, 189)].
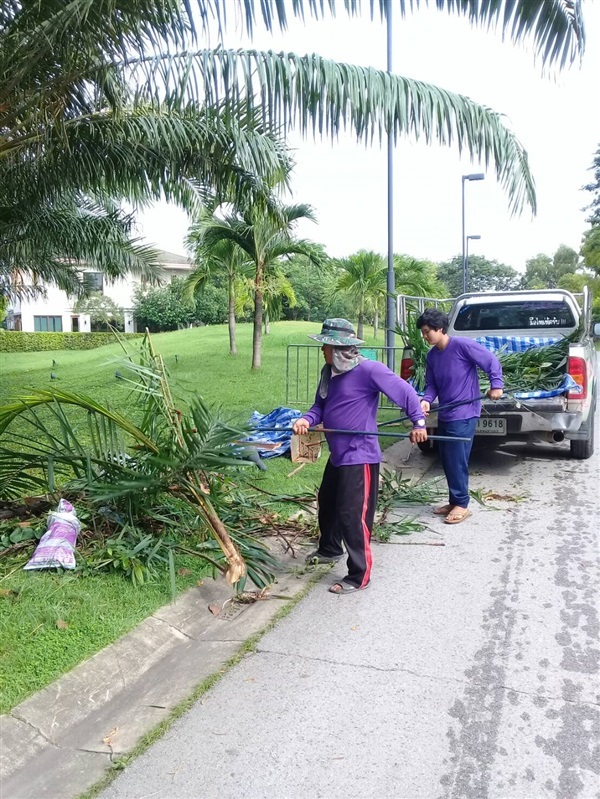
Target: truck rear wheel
[(583, 448)]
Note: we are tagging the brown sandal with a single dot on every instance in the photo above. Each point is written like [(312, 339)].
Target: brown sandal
[(459, 518), (443, 510)]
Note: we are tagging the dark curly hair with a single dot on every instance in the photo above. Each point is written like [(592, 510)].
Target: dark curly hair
[(433, 319)]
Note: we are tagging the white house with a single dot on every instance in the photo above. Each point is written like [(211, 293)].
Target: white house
[(54, 312)]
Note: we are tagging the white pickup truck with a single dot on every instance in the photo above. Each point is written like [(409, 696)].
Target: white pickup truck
[(533, 317)]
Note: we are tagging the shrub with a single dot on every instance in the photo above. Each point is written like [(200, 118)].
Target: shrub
[(163, 308), (103, 311), (211, 306), (15, 341)]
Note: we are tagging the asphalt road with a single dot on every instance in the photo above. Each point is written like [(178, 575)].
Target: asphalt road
[(465, 671)]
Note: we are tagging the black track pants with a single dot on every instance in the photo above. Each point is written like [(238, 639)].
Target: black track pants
[(347, 502)]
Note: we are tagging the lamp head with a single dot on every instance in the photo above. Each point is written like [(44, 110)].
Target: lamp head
[(474, 176)]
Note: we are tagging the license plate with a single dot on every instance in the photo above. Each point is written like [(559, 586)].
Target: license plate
[(490, 426)]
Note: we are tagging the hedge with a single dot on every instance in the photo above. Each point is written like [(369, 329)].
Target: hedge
[(15, 341)]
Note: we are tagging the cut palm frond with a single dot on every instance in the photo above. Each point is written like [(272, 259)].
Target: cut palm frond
[(84, 446)]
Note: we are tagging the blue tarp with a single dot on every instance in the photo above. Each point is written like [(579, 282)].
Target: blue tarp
[(516, 343), (280, 417), (568, 384)]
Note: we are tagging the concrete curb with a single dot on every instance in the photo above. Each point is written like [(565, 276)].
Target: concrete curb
[(63, 739)]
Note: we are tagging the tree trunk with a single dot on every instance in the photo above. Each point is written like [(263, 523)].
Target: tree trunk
[(258, 318), (267, 323), (231, 318), (361, 322), (375, 323)]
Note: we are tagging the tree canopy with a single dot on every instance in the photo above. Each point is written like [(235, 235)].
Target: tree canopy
[(482, 275), (545, 272), (590, 247)]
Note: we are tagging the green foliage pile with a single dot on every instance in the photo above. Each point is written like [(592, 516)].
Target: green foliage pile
[(397, 492), (536, 369), (16, 341), (412, 340)]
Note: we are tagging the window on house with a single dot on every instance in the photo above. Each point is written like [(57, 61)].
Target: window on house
[(47, 324), (93, 281)]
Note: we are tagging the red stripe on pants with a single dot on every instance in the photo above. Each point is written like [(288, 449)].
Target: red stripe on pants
[(366, 531)]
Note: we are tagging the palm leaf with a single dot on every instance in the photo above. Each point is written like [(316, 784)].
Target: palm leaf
[(321, 96)]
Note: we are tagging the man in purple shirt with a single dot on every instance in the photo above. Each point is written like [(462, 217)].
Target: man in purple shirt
[(451, 376), (347, 397)]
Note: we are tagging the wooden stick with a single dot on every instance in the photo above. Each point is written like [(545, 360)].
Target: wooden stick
[(295, 471)]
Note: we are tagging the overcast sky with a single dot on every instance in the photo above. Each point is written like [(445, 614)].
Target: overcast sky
[(556, 117)]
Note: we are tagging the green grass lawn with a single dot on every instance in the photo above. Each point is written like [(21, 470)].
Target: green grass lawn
[(99, 609), (202, 364), (50, 622)]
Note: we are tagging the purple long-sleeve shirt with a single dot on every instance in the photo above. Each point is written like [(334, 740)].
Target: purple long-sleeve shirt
[(451, 376), (351, 404)]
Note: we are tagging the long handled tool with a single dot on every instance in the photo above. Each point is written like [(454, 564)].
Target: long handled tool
[(353, 433), (447, 407)]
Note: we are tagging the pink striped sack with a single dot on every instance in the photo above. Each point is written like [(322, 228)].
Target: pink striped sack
[(57, 545)]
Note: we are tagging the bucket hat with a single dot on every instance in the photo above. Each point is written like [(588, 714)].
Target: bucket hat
[(337, 333)]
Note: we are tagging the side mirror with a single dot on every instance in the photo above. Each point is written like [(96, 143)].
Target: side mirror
[(596, 330)]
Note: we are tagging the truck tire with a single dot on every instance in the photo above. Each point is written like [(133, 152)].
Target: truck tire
[(583, 449)]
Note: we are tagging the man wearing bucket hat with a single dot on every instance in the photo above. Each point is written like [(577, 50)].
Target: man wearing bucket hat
[(348, 397)]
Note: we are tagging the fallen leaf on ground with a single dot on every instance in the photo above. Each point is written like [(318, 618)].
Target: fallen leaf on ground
[(62, 625), (108, 738), (214, 609), (184, 572), (504, 497), (9, 592)]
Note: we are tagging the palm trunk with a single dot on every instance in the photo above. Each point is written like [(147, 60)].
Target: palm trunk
[(361, 322), (267, 323), (258, 317), (231, 318), (375, 323)]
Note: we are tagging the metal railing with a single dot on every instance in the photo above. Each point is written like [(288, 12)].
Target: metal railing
[(303, 370), (406, 304)]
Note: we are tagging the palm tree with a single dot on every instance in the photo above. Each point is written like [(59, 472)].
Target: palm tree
[(75, 133), (46, 244), (110, 99), (417, 277), (364, 278), (277, 288), (265, 239), (224, 259)]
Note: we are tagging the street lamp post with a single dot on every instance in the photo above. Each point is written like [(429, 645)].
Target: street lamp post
[(390, 304), (473, 176), (466, 273)]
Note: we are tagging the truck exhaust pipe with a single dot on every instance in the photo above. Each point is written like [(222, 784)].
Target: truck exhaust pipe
[(551, 437)]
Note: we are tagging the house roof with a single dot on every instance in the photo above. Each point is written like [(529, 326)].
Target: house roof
[(172, 258)]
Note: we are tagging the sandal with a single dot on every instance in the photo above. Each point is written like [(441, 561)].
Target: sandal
[(443, 510), (316, 558), (456, 517), (346, 588)]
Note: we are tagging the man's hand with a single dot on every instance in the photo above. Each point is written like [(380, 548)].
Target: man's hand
[(425, 407), (418, 435), (495, 393), (300, 426)]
